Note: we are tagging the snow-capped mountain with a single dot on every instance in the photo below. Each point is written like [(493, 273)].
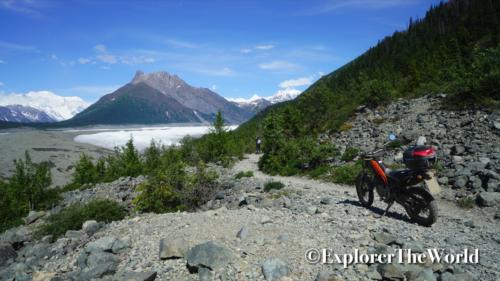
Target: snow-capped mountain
[(257, 103), (23, 114), (57, 107)]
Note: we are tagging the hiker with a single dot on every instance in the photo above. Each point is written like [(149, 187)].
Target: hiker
[(257, 145)]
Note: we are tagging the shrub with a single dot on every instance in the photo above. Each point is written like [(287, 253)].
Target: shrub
[(319, 171), (395, 144), (247, 174), (346, 174), (466, 202), (345, 127), (273, 185), (349, 154), (72, 217)]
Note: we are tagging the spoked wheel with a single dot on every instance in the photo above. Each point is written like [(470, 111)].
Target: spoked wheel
[(421, 207), (364, 190)]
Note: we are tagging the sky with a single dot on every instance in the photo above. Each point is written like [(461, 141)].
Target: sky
[(89, 48)]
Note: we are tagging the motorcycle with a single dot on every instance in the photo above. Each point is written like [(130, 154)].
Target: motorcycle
[(412, 188)]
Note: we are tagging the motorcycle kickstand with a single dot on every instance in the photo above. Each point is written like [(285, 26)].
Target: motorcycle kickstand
[(389, 205)]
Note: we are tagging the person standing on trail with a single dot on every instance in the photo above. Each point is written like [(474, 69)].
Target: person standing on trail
[(257, 145)]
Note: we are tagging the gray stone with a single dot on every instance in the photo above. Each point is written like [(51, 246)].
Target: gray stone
[(173, 248), (91, 227), (488, 199), (458, 150), (74, 234), (204, 274), (274, 269), (384, 238), (283, 237), (102, 244), (6, 252), (391, 271), (484, 160), (326, 200), (443, 180), (96, 258), (311, 210), (209, 255), (461, 182), (415, 246), (120, 246), (242, 233), (265, 220), (457, 159), (325, 275), (420, 274), (448, 276), (139, 276), (33, 216), (100, 270)]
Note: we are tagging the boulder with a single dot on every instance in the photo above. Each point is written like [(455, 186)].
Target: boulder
[(209, 255), (173, 248), (391, 271), (384, 238), (6, 252), (91, 227), (311, 210), (33, 216), (274, 269), (44, 276), (102, 244), (325, 275), (488, 199), (242, 233), (139, 276)]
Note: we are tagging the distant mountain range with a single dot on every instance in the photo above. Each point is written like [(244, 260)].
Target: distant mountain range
[(23, 114), (151, 98), (257, 103), (58, 108)]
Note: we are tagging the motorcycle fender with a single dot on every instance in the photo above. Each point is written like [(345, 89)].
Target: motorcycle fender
[(432, 184), (426, 194)]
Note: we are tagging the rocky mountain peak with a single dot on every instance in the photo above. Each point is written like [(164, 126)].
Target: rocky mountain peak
[(160, 80)]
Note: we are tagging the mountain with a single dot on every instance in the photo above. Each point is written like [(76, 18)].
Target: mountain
[(57, 107), (158, 98), (453, 50), (23, 114), (201, 100), (256, 103)]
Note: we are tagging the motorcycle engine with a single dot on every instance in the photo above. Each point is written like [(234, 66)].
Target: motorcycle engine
[(382, 190)]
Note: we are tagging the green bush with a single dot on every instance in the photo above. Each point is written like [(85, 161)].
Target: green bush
[(349, 154), (72, 217), (346, 174), (273, 185), (466, 202), (26, 190), (319, 172), (247, 174)]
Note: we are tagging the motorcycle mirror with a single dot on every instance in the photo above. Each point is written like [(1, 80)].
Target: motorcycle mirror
[(392, 137)]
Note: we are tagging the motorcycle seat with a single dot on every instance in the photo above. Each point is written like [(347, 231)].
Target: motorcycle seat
[(398, 174)]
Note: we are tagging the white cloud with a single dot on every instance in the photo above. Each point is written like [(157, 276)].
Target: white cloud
[(333, 5), (133, 60), (84, 60), (1, 84), (107, 58), (29, 7), (181, 44), (213, 88), (58, 107), (278, 65), (245, 51), (225, 71), (100, 48), (302, 81), (264, 47), (18, 47)]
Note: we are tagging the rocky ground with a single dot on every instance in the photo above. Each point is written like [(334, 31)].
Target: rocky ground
[(247, 233)]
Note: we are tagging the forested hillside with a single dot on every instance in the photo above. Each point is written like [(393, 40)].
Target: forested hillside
[(453, 50)]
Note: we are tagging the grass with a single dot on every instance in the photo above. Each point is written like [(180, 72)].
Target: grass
[(247, 174), (72, 217), (273, 185), (466, 202), (349, 154), (345, 174)]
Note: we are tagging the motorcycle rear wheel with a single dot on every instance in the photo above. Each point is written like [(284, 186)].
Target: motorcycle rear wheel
[(420, 209), (364, 190)]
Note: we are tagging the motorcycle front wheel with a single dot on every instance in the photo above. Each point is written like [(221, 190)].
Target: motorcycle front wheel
[(420, 206), (364, 190)]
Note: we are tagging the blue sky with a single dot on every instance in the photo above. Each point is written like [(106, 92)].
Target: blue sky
[(237, 48)]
